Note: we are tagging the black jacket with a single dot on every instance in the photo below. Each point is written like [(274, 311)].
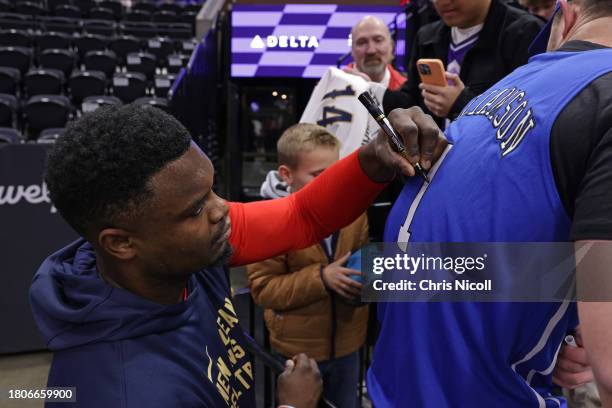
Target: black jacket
[(501, 47)]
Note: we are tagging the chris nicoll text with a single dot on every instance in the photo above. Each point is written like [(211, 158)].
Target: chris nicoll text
[(430, 285)]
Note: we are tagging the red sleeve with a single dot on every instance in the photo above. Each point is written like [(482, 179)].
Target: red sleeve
[(337, 197)]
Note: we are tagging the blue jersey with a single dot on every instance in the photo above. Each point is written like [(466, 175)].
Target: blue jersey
[(495, 184)]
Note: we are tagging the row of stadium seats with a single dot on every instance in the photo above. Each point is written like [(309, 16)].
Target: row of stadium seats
[(140, 29), (60, 58), (43, 112), (10, 135), (100, 13), (100, 60), (105, 9), (160, 47), (127, 86)]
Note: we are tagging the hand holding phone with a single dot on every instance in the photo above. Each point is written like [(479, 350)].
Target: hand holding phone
[(431, 71)]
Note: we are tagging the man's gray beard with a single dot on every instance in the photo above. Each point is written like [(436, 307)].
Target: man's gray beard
[(374, 71)]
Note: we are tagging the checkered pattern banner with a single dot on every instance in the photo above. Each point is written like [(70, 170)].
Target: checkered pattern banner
[(300, 40)]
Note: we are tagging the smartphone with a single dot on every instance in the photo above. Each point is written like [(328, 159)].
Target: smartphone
[(431, 71)]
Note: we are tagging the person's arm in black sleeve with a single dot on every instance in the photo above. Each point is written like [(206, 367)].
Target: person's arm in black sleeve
[(410, 94), (514, 52), (520, 35), (463, 99), (592, 231), (396, 99), (593, 212), (581, 155)]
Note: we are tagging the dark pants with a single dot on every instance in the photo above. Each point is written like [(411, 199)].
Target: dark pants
[(340, 379)]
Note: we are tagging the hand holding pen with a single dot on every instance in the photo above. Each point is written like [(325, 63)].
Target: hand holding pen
[(410, 133), (572, 368)]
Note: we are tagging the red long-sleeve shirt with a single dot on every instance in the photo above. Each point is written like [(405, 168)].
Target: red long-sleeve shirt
[(263, 229)]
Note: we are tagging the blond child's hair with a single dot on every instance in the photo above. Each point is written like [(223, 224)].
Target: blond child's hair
[(302, 138)]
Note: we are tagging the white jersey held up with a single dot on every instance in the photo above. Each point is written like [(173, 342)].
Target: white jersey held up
[(334, 105)]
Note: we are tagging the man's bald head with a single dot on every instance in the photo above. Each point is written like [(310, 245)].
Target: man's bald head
[(371, 47), (371, 21)]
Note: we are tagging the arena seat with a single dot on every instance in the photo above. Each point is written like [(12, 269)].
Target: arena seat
[(61, 24), (30, 8), (86, 83), (145, 5), (53, 40), (9, 135), (15, 38), (8, 110), (102, 13), (67, 10), (162, 84), (138, 15), (122, 45), (50, 135), (91, 103), (161, 103), (90, 42), (129, 86), (102, 27), (9, 80), (161, 48), (45, 111), (17, 21), (165, 16), (16, 57), (41, 81), (105, 61), (142, 62), (63, 60), (114, 5)]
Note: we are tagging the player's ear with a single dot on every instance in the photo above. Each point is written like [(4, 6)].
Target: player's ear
[(569, 17), (117, 242), (285, 174)]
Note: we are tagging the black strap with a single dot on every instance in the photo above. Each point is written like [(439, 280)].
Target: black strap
[(332, 352), (332, 295)]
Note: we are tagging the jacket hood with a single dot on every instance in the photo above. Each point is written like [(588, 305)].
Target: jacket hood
[(73, 306), (273, 186)]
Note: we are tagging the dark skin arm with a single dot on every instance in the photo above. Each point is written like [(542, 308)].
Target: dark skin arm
[(306, 218), (422, 138), (300, 385)]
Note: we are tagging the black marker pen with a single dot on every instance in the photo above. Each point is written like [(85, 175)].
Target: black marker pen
[(378, 115)]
